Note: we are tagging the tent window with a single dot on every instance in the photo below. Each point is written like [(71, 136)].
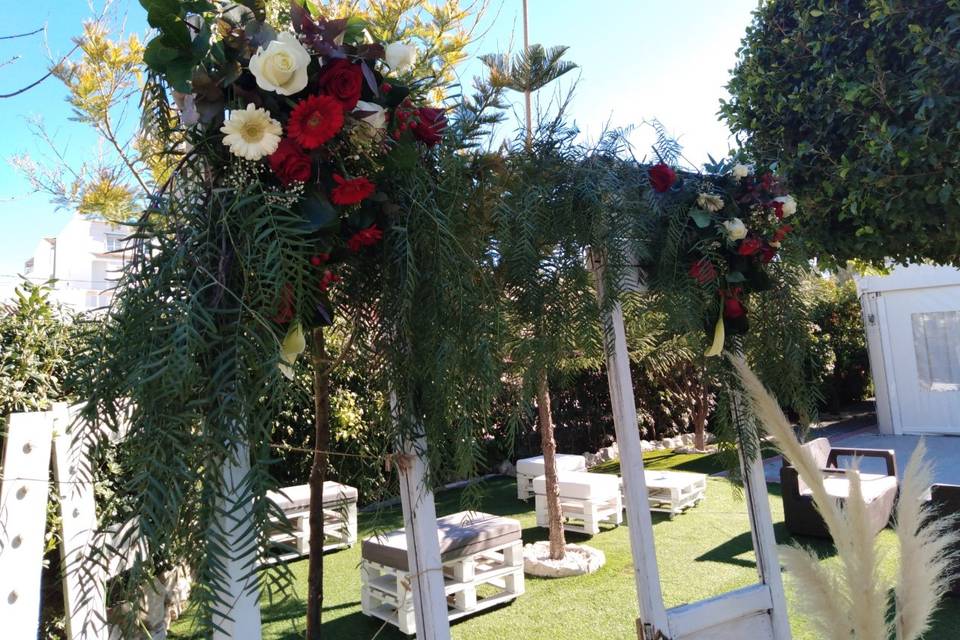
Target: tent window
[(936, 341)]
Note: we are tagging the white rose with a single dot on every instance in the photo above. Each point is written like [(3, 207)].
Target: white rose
[(282, 66), (741, 170), (376, 115), (789, 205), (400, 56), (710, 202), (736, 230)]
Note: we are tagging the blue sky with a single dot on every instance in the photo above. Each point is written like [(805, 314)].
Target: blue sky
[(638, 60)]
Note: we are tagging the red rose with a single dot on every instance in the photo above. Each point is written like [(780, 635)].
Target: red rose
[(732, 307), (766, 181), (328, 280), (290, 163), (777, 209), (342, 80), (767, 253), (662, 177), (315, 120), (429, 126), (703, 271), (364, 238), (351, 191), (749, 246)]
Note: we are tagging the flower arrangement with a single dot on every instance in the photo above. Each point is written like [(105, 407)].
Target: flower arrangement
[(733, 221), (319, 114)]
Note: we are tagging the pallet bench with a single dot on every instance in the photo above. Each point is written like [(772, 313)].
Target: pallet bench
[(530, 468), (673, 492), (586, 499), (482, 558), (339, 518)]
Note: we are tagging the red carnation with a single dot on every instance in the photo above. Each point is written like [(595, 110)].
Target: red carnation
[(703, 271), (328, 280), (319, 259), (749, 246), (342, 80), (364, 238), (351, 191), (781, 233), (429, 126), (732, 307), (315, 120), (290, 163), (662, 177)]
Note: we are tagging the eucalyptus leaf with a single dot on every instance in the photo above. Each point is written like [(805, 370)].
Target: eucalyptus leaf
[(703, 219)]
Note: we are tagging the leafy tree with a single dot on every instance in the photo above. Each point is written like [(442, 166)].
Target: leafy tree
[(38, 339), (100, 87), (859, 102), (845, 365), (546, 288)]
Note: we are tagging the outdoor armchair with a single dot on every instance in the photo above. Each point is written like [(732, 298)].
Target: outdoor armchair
[(946, 502), (879, 489)]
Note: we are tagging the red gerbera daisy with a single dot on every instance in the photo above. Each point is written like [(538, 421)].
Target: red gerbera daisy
[(315, 120), (351, 191), (364, 238)]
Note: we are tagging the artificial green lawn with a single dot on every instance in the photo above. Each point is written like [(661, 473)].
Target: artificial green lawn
[(703, 552)]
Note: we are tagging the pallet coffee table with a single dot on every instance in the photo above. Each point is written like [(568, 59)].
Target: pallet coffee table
[(674, 491)]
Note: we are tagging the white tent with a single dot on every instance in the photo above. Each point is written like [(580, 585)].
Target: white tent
[(912, 320)]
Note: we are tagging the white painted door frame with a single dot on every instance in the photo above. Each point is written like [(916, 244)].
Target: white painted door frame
[(758, 612)]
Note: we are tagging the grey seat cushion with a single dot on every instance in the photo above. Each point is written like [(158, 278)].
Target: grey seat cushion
[(460, 534), (297, 498)]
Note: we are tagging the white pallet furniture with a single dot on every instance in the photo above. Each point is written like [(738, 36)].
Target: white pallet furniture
[(339, 518), (586, 499), (477, 550), (674, 491), (530, 468)]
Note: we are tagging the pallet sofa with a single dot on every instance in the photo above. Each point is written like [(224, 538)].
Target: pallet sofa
[(530, 468), (482, 558), (339, 518), (586, 499)]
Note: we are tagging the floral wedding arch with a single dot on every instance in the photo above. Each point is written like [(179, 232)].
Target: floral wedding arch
[(308, 175)]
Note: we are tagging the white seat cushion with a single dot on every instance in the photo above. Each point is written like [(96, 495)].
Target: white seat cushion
[(873, 486), (581, 485), (298, 497), (565, 462)]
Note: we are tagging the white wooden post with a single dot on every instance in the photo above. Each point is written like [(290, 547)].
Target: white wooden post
[(764, 540), (653, 614), (83, 581), (238, 614), (423, 545), (23, 520)]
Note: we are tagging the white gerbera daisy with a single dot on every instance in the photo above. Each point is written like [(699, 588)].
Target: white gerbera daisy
[(251, 133)]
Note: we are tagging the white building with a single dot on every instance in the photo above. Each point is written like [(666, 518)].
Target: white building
[(82, 261), (912, 318)]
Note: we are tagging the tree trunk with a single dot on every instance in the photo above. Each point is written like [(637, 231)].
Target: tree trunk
[(549, 445), (700, 414), (318, 473)]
